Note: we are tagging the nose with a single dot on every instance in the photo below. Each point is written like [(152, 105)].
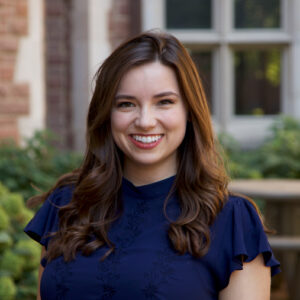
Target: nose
[(145, 119)]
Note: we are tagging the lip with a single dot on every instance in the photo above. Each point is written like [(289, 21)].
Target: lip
[(145, 146)]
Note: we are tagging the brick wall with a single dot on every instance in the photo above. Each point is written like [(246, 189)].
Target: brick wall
[(124, 20), (58, 70), (14, 97)]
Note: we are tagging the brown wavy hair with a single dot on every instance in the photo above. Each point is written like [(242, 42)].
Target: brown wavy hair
[(201, 181)]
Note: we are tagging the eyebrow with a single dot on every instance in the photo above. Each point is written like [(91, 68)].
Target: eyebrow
[(160, 95)]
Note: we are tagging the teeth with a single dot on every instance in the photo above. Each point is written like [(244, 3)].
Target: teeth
[(147, 139)]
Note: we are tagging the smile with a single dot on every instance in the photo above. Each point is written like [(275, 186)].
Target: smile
[(146, 142), (147, 139)]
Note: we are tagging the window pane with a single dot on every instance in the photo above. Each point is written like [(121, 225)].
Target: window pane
[(188, 14), (257, 13), (257, 82), (203, 61)]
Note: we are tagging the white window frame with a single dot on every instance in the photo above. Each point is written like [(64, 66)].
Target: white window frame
[(223, 39)]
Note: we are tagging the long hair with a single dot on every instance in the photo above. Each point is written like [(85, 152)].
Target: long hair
[(201, 181)]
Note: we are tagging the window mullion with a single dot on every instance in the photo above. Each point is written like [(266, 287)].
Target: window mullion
[(223, 70), (153, 14), (295, 59)]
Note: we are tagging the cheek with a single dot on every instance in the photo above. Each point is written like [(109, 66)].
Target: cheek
[(175, 121), (119, 122)]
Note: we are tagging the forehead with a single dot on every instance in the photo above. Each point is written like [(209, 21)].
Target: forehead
[(152, 77)]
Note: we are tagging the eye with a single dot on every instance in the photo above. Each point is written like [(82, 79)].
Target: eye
[(125, 104), (166, 102)]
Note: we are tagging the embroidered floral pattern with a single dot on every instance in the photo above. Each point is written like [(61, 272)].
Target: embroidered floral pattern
[(128, 231), (160, 274), (61, 276)]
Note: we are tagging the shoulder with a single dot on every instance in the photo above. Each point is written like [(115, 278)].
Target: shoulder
[(238, 236), (46, 219), (60, 196), (239, 204), (238, 215)]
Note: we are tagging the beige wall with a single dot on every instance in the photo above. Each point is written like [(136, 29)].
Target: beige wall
[(30, 69)]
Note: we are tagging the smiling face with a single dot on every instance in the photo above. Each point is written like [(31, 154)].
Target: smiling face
[(148, 120)]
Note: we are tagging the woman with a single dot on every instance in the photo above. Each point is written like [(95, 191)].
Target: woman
[(148, 214)]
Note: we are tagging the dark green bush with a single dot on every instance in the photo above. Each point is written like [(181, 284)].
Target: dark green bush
[(280, 154), (38, 163), (19, 256), (277, 157)]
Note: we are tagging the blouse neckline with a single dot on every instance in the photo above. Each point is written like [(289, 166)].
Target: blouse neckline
[(152, 190)]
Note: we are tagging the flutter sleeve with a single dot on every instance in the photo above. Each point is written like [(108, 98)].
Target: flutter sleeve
[(242, 239), (46, 219)]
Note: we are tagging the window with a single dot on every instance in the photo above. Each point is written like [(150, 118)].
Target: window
[(246, 52), (188, 14), (257, 13), (257, 82), (203, 61)]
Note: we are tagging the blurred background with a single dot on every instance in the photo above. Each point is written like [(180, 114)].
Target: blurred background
[(248, 56)]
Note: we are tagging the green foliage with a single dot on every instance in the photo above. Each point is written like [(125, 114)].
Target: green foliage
[(19, 256), (12, 203), (12, 264), (30, 253), (4, 220), (38, 163), (280, 155), (277, 157), (7, 288)]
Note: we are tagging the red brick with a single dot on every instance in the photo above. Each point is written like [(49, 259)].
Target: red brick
[(6, 11), (124, 8), (7, 57), (9, 43), (4, 91), (2, 3), (18, 26), (8, 127), (6, 72), (14, 107), (3, 26), (8, 131), (20, 90), (22, 8)]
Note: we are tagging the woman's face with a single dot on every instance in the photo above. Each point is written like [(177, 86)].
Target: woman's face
[(148, 119)]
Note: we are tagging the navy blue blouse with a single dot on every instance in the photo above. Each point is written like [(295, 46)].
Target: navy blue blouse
[(144, 265)]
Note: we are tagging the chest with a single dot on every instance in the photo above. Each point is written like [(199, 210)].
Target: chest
[(133, 273), (143, 266)]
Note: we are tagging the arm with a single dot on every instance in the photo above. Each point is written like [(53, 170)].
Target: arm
[(253, 282), (41, 270)]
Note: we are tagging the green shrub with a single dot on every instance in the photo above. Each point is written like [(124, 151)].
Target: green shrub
[(277, 157), (19, 255), (13, 204), (280, 154), (5, 240), (4, 219), (29, 252), (38, 164), (7, 288), (12, 264), (238, 162)]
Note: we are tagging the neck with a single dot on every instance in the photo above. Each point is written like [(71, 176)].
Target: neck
[(146, 174)]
